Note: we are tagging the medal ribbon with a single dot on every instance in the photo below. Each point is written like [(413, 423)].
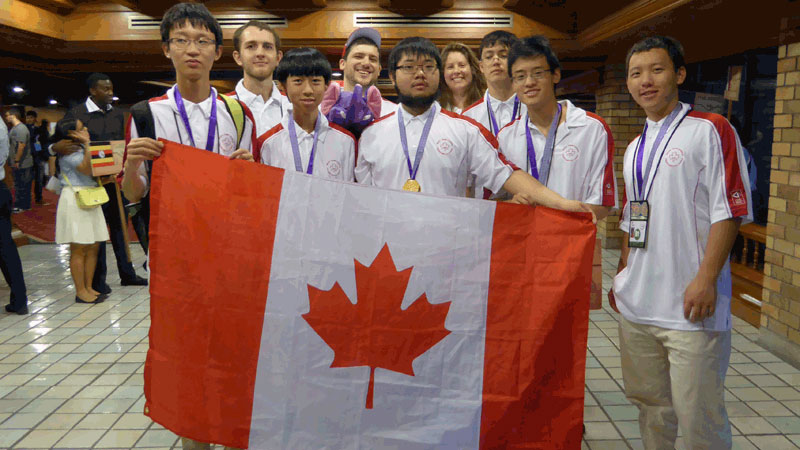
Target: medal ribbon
[(495, 128), (549, 146), (298, 164), (641, 177), (212, 121), (422, 140)]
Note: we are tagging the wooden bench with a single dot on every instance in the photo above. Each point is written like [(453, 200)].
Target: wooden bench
[(747, 273)]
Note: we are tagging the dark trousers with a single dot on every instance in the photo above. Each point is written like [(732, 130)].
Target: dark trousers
[(111, 213), (22, 187), (38, 180), (10, 263)]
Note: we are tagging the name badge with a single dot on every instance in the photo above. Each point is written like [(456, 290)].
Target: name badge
[(640, 213)]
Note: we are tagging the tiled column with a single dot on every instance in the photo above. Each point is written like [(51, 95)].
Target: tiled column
[(626, 119), (780, 310)]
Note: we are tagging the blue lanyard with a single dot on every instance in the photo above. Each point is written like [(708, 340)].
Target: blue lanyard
[(422, 140), (639, 176), (549, 146), (495, 129), (298, 165), (212, 121)]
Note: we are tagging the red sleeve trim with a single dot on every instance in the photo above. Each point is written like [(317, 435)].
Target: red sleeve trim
[(342, 130), (156, 99), (473, 105), (508, 125), (259, 142), (380, 119), (256, 149), (486, 135), (609, 193), (231, 94), (734, 186)]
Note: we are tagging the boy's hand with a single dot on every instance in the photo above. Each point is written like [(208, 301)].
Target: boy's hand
[(242, 154)]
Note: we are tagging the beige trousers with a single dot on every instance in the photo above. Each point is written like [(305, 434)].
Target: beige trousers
[(677, 379), (189, 444)]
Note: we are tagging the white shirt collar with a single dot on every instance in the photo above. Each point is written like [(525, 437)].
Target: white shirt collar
[(91, 106), (408, 117), (497, 103), (204, 106), (652, 124), (301, 133), (576, 117), (249, 98)]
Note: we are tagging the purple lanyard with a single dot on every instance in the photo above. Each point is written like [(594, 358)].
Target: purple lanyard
[(549, 146), (212, 121), (422, 140), (298, 164), (641, 177), (495, 128)]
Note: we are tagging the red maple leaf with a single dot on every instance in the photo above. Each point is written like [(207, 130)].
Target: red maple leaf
[(376, 332)]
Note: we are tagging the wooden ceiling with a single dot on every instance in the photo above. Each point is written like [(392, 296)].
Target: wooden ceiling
[(62, 40)]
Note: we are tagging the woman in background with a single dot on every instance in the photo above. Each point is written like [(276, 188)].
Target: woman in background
[(464, 83), (82, 228)]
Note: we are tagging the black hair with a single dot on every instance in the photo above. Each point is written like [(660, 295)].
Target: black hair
[(673, 48), (303, 62), (360, 41), (32, 113), (16, 112), (95, 78), (414, 46), (63, 127), (497, 37), (237, 35), (196, 14), (532, 47)]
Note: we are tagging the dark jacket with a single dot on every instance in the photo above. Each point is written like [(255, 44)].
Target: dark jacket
[(103, 126)]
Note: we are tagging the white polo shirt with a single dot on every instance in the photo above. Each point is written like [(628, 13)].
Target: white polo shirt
[(582, 166), (387, 107), (456, 148), (170, 126), (701, 179), (266, 113), (334, 157)]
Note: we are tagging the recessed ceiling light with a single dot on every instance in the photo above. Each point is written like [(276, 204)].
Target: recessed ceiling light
[(115, 98), (17, 89), (53, 102)]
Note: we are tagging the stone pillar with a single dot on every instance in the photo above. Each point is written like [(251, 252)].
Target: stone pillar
[(626, 119), (780, 309)]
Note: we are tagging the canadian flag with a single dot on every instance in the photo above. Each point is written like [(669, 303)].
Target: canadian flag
[(293, 312)]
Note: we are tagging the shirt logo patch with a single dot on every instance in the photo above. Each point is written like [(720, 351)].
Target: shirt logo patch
[(334, 168), (609, 189), (226, 144), (738, 198), (570, 153), (445, 146), (674, 157)]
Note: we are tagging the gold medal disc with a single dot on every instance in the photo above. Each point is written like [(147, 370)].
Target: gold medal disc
[(412, 186)]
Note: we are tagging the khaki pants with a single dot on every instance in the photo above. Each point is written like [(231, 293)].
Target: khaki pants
[(676, 378), (189, 444)]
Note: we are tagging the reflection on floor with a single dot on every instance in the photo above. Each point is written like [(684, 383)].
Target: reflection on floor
[(71, 375)]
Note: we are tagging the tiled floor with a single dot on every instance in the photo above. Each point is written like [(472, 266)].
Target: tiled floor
[(71, 375)]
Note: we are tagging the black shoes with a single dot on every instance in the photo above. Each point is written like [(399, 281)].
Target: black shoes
[(100, 299), (137, 281), (21, 312), (104, 290)]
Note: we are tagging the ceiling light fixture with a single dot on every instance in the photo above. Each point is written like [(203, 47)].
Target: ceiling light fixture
[(17, 89), (115, 98), (53, 102)]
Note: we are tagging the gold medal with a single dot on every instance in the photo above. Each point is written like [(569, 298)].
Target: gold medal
[(412, 186)]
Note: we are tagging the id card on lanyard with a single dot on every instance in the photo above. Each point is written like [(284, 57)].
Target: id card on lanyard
[(643, 181)]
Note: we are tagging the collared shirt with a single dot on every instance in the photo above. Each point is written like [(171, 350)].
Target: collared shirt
[(502, 110), (387, 107), (267, 113), (170, 126), (701, 179), (108, 125), (456, 148), (91, 106), (334, 157), (3, 148), (582, 166)]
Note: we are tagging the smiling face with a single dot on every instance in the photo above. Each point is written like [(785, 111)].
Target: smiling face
[(258, 54), (362, 66), (194, 60), (305, 93), (494, 64), (533, 81), (457, 72), (653, 82), (102, 93)]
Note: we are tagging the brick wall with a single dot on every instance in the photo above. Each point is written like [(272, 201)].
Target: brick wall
[(780, 311), (626, 119)]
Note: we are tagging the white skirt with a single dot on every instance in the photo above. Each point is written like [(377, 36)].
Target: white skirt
[(78, 225)]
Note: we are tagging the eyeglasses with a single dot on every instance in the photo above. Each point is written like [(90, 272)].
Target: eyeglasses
[(182, 44), (410, 69), (523, 76)]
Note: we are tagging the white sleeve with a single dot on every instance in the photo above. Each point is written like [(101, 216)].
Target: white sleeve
[(485, 162), (363, 169), (349, 162), (142, 171), (595, 184)]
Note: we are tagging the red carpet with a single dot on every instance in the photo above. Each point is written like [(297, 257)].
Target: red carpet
[(39, 222)]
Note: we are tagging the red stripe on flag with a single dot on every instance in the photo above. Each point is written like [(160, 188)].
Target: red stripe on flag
[(205, 330), (536, 328), (102, 164)]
